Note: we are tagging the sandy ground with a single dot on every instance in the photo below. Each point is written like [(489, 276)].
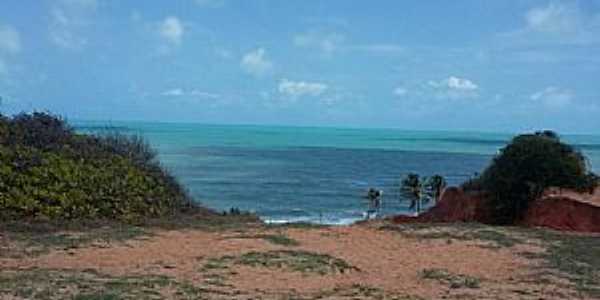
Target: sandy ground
[(589, 198), (384, 260)]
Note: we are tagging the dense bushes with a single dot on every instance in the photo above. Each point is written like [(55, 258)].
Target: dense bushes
[(528, 165), (49, 171)]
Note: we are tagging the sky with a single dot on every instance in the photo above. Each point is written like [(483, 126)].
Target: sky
[(475, 65)]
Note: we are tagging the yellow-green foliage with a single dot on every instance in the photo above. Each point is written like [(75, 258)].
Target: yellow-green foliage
[(78, 176)]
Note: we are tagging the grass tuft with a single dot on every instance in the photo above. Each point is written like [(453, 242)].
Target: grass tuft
[(36, 238), (570, 256), (277, 239), (62, 284), (576, 257), (455, 281), (496, 237), (297, 261)]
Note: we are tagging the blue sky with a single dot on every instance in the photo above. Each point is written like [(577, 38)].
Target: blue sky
[(455, 65)]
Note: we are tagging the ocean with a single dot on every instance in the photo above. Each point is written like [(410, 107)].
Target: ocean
[(310, 174)]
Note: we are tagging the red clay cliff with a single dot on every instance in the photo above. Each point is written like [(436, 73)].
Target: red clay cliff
[(556, 209)]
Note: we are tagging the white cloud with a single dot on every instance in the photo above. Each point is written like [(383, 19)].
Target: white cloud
[(461, 84), (455, 83), (10, 40), (179, 92), (202, 94), (454, 88), (400, 91), (68, 21), (223, 53), (553, 97), (172, 30), (296, 89), (330, 42), (256, 63), (326, 42), (556, 17), (62, 35), (135, 16), (559, 23), (380, 48), (174, 92)]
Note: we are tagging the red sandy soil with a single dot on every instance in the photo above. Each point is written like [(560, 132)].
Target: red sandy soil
[(391, 261), (455, 205), (385, 260), (558, 209), (566, 210), (588, 198)]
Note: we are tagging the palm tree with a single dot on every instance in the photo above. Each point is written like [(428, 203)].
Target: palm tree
[(435, 185), (412, 188), (418, 189)]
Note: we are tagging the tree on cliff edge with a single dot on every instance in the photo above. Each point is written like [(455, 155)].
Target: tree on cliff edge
[(528, 165)]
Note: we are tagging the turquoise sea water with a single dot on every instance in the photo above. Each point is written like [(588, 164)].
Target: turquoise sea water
[(314, 174)]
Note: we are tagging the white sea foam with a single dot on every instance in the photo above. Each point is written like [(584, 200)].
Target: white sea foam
[(312, 220)]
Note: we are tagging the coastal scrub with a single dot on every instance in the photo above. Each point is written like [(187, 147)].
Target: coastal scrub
[(525, 168), (48, 171)]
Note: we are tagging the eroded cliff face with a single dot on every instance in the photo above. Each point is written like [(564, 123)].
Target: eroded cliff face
[(556, 209), (564, 213), (455, 205)]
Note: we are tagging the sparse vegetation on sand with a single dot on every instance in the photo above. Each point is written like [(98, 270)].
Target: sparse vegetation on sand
[(90, 285), (576, 257), (277, 239), (572, 257), (34, 239), (30, 239), (87, 284), (296, 261), (368, 261), (494, 237), (455, 281)]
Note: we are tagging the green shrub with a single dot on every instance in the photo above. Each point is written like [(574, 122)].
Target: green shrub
[(39, 130), (528, 165), (133, 147), (3, 129), (48, 171)]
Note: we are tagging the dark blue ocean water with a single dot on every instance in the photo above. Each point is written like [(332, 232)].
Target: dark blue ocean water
[(314, 174)]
